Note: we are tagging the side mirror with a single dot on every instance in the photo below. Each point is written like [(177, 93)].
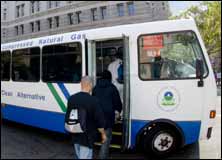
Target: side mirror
[(200, 72), (199, 69)]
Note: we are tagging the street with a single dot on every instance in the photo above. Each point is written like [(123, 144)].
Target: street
[(19, 141)]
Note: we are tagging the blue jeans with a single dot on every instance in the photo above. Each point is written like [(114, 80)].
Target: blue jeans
[(104, 150), (82, 152)]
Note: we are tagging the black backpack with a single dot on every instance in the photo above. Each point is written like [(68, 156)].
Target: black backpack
[(76, 122)]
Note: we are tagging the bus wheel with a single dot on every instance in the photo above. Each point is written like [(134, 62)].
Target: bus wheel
[(160, 141)]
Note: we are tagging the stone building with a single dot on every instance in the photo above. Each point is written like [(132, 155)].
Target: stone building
[(29, 19)]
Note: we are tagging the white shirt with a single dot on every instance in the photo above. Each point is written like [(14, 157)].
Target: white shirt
[(113, 68)]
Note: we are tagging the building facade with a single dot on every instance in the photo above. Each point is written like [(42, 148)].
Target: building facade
[(22, 20)]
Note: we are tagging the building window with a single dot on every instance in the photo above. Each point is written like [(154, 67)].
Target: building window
[(120, 9), (35, 6), (93, 13), (62, 63), (70, 18), (50, 23), (22, 29), (22, 9), (49, 4), (4, 16), (17, 11), (4, 33), (32, 26), (103, 12), (131, 10), (16, 30), (38, 6), (57, 21), (38, 25), (57, 3), (78, 17), (32, 7), (26, 65)]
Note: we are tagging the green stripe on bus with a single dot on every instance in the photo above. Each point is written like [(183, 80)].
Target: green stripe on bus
[(57, 97)]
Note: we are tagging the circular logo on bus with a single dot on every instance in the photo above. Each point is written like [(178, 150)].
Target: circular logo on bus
[(168, 99)]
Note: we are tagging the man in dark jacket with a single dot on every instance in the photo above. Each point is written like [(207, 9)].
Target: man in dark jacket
[(83, 142), (110, 101)]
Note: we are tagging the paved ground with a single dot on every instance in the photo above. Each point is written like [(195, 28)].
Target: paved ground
[(23, 142)]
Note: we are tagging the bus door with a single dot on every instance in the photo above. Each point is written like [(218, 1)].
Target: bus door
[(126, 94), (91, 59), (100, 54)]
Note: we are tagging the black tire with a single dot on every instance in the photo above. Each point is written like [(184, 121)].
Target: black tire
[(170, 145)]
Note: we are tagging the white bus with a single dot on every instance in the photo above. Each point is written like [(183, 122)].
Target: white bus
[(169, 90)]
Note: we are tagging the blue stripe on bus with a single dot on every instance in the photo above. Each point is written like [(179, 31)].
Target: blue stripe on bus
[(55, 122), (64, 90), (136, 126), (191, 130), (38, 118)]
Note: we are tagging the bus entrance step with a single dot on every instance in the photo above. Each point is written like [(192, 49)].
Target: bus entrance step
[(110, 146), (118, 127), (117, 133)]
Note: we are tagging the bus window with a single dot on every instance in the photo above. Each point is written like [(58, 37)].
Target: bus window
[(26, 64), (169, 56), (5, 65), (62, 63)]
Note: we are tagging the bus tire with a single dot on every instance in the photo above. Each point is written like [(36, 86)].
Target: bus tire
[(160, 141)]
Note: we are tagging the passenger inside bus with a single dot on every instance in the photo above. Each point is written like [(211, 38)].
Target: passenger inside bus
[(77, 69), (23, 73), (109, 55), (116, 69), (5, 69), (156, 67)]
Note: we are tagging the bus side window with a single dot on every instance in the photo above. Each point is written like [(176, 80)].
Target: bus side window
[(5, 65), (62, 63), (26, 65)]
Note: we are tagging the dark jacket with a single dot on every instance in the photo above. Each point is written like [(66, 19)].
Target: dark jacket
[(110, 101), (94, 120)]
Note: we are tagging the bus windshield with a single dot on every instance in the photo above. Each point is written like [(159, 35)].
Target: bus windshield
[(169, 56)]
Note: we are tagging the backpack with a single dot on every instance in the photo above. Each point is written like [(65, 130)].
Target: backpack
[(120, 73), (76, 122)]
